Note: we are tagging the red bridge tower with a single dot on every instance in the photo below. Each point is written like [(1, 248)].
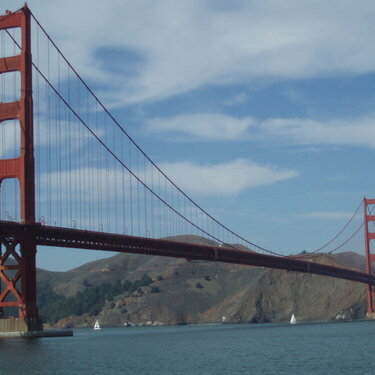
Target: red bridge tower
[(370, 257), (18, 278)]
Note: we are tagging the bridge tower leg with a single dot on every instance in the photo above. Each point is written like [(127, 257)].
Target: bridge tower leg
[(18, 278), (370, 257)]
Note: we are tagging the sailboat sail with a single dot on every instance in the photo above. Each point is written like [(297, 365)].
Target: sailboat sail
[(97, 326), (293, 319)]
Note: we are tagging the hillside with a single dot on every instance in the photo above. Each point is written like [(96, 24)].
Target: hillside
[(140, 289)]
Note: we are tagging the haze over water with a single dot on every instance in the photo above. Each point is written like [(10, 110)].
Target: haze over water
[(309, 349)]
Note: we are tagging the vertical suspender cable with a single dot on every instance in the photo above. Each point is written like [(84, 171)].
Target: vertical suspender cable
[(131, 190), (115, 200), (14, 180), (138, 199), (123, 190), (48, 131), (107, 177), (145, 196)]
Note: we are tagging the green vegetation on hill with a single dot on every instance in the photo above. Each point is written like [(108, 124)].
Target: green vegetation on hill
[(54, 306)]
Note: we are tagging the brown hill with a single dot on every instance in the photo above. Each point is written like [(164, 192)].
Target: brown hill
[(351, 259), (185, 291)]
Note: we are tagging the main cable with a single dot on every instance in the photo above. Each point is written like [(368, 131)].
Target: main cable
[(144, 154)]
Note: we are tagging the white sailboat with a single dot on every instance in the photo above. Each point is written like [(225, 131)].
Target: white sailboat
[(293, 319), (96, 325)]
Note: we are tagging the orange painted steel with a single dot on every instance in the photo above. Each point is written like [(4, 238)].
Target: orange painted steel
[(21, 247), (10, 111), (10, 64), (90, 240), (370, 258)]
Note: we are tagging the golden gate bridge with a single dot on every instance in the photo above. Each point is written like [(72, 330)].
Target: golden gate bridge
[(71, 176)]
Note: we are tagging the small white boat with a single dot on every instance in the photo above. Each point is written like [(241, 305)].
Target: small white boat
[(96, 325), (293, 319)]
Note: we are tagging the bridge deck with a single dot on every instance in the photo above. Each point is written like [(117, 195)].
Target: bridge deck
[(82, 239)]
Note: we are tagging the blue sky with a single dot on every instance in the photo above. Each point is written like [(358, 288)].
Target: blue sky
[(266, 106)]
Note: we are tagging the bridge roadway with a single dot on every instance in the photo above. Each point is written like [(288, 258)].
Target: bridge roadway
[(82, 239)]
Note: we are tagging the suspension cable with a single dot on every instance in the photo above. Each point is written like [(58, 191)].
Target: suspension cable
[(143, 153), (338, 234)]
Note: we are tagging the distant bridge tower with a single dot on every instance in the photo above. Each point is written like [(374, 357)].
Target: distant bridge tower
[(18, 278), (370, 257)]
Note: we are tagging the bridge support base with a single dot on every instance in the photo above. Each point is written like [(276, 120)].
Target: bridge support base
[(18, 282), (29, 328), (37, 334), (20, 325)]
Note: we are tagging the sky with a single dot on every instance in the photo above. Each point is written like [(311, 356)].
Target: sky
[(262, 111)]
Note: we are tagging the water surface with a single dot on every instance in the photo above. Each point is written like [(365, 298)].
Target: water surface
[(325, 348)]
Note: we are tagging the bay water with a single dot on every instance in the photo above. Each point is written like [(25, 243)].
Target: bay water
[(308, 349)]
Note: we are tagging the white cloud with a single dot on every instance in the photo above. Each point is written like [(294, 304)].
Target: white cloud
[(290, 131), (186, 45), (203, 126), (10, 134), (325, 215), (55, 137), (229, 178), (10, 87), (236, 99), (358, 131), (338, 178)]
